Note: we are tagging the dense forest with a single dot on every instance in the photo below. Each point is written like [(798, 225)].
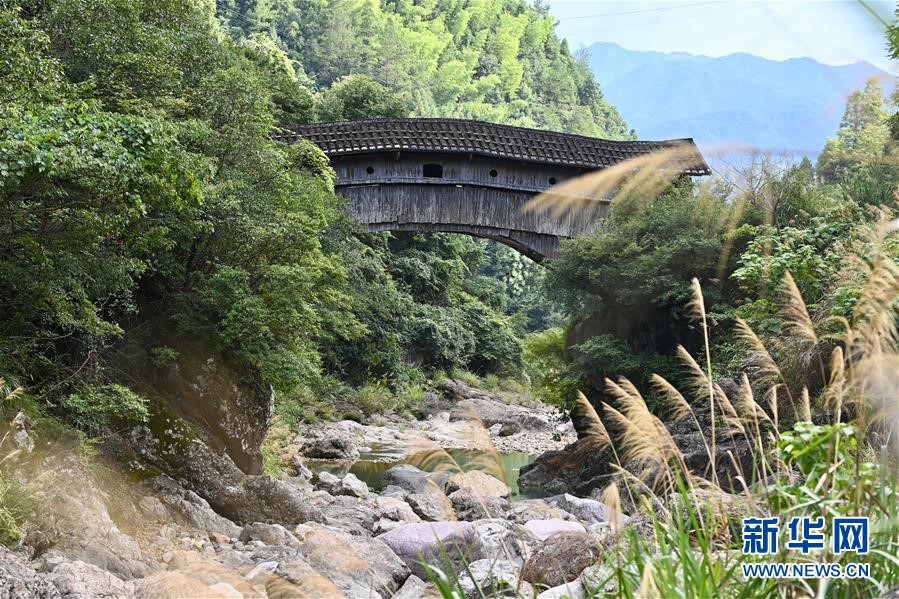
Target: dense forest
[(140, 178)]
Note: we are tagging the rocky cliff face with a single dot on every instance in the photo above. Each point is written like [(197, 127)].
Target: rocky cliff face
[(226, 407)]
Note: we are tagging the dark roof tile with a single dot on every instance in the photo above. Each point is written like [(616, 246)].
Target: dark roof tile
[(485, 139)]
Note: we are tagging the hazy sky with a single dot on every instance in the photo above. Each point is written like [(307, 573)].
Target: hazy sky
[(832, 32)]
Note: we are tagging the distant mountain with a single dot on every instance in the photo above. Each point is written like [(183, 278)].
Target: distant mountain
[(791, 105)]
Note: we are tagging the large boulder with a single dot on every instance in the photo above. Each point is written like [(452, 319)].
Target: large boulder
[(578, 468), (333, 446), (408, 477), (79, 580), (79, 517), (360, 567), (446, 545), (239, 497), (346, 513), (582, 469), (561, 558), (478, 481), (186, 507), (431, 505), (224, 403)]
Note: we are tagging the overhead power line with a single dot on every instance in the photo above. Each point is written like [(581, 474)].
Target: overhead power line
[(638, 11)]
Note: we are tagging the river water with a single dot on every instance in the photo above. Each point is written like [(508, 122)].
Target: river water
[(371, 465)]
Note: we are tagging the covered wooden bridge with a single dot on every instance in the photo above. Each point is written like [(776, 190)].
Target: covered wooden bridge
[(467, 176)]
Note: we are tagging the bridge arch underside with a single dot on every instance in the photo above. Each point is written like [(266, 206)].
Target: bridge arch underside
[(475, 210)]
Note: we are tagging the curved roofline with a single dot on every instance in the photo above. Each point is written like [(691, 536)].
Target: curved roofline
[(591, 145)]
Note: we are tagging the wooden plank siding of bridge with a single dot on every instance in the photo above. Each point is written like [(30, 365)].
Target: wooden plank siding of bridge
[(468, 176)]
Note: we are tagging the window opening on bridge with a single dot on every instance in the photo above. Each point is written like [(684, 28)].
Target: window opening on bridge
[(370, 170), (493, 172), (552, 180), (432, 171)]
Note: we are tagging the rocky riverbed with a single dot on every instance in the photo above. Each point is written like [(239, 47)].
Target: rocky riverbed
[(314, 534), (217, 532), (456, 416)]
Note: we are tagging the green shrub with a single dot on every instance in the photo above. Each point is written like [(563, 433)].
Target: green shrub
[(95, 408), (373, 398)]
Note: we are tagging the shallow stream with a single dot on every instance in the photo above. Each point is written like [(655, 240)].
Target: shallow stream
[(371, 465)]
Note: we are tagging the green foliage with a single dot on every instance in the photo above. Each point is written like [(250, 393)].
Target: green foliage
[(358, 97), (15, 505), (550, 373), (105, 407), (813, 449), (862, 135), (500, 62), (272, 464), (626, 287)]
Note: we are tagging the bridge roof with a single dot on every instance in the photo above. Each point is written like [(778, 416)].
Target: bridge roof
[(484, 139)]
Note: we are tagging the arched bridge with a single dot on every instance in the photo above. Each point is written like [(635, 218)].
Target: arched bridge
[(466, 176)]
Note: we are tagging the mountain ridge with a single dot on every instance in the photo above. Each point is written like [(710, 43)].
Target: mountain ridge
[(789, 105)]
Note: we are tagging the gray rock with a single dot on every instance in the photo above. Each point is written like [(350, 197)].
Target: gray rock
[(493, 578), (446, 545), (408, 477), (509, 428), (270, 534), (78, 580), (413, 588), (470, 506), (505, 540), (395, 509), (333, 446), (479, 482), (588, 511), (599, 579), (191, 509), (394, 491), (361, 567), (18, 580), (535, 509), (432, 505), (153, 509), (227, 406), (352, 486), (213, 476), (22, 439), (543, 529), (561, 558), (571, 590), (296, 578), (346, 513), (80, 519), (325, 481)]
